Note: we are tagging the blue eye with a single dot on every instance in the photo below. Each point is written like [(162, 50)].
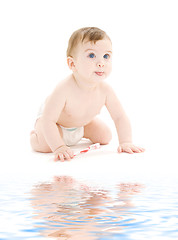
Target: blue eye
[(106, 56), (91, 55)]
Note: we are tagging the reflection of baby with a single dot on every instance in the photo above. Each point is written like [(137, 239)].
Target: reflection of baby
[(69, 113), (73, 208)]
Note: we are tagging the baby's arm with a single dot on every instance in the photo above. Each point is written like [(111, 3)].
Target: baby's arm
[(52, 111), (122, 123)]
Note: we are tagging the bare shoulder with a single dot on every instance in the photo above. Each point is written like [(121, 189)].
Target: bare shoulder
[(64, 84), (111, 96), (107, 89), (62, 88)]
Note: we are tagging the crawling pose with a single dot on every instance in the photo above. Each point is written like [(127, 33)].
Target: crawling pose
[(70, 112)]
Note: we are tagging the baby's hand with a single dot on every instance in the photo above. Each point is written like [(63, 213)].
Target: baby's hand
[(63, 153), (129, 148)]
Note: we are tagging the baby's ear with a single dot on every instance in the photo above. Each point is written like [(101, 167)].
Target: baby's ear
[(70, 63)]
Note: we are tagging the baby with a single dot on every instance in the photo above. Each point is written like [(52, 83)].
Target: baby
[(70, 112)]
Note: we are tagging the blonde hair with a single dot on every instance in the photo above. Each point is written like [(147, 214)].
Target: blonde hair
[(91, 34)]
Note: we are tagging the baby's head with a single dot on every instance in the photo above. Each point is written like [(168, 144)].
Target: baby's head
[(89, 54), (82, 35)]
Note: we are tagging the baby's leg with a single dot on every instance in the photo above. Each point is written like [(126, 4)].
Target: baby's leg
[(98, 132)]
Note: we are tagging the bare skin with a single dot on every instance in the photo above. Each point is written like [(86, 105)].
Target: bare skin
[(76, 102)]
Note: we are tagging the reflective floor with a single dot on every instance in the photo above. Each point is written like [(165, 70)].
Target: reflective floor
[(73, 210), (104, 203)]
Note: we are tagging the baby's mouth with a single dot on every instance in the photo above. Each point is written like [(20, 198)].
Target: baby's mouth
[(99, 73)]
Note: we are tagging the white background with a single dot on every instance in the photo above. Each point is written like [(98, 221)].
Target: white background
[(33, 42)]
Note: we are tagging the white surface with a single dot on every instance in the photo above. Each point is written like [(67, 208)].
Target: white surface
[(33, 42)]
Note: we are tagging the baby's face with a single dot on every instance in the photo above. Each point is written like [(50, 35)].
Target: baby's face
[(93, 62)]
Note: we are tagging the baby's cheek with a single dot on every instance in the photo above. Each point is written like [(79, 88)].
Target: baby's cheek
[(109, 69)]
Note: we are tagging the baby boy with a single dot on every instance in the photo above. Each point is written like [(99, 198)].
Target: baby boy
[(70, 112)]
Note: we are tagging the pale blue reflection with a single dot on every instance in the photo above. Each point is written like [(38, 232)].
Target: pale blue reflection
[(69, 208)]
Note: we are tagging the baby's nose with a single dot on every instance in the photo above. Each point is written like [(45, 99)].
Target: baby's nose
[(100, 64)]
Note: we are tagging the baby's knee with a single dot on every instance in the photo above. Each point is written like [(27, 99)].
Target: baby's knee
[(34, 141), (106, 137)]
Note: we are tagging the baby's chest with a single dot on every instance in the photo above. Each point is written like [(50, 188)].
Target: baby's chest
[(82, 108)]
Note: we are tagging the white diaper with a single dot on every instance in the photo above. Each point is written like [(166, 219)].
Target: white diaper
[(72, 136)]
